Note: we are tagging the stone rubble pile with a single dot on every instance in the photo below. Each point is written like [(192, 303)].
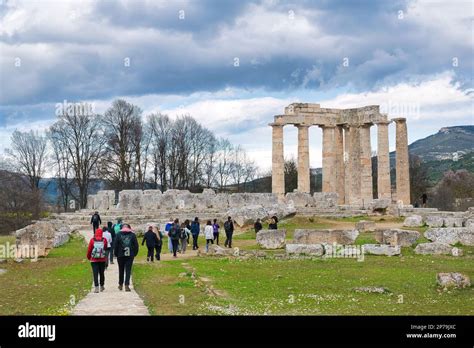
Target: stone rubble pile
[(453, 280)]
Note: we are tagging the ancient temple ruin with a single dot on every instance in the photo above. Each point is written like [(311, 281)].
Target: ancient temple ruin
[(347, 162)]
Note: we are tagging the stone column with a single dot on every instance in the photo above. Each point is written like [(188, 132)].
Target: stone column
[(366, 191), (354, 166), (278, 160), (402, 163), (347, 166), (329, 159), (303, 158), (339, 153), (383, 161)]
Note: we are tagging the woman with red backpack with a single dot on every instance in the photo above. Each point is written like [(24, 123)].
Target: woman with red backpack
[(97, 256)]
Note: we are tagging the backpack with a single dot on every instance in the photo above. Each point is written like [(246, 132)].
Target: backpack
[(95, 219), (227, 225), (117, 228), (174, 232), (126, 241), (98, 251), (183, 234)]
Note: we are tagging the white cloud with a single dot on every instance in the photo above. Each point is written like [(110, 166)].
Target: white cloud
[(435, 98)]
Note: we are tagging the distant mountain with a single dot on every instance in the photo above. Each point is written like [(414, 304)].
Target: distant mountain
[(51, 189), (437, 168), (448, 143)]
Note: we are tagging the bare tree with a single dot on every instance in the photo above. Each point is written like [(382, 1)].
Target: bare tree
[(63, 168), (123, 133), (224, 162), (82, 137), (209, 164), (160, 137), (29, 152)]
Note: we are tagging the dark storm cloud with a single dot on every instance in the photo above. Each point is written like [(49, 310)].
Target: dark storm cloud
[(83, 57)]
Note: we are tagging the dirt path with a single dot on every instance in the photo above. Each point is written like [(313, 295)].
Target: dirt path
[(111, 301)]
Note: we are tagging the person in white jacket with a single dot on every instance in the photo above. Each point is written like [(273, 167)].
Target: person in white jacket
[(107, 235), (209, 234)]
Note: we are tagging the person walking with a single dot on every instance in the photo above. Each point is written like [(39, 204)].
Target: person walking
[(126, 248), (215, 227), (111, 229), (95, 221), (106, 234), (188, 226), (424, 199), (257, 226), (174, 234), (195, 229), (229, 231), (97, 256), (209, 234), (167, 230), (151, 240), (158, 245), (184, 233)]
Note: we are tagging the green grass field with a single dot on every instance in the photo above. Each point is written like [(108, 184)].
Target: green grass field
[(307, 286), (209, 285), (46, 287)]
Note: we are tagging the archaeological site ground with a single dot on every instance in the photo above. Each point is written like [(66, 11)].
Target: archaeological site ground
[(236, 172)]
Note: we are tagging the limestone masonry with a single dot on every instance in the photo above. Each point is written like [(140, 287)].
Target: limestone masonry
[(347, 162)]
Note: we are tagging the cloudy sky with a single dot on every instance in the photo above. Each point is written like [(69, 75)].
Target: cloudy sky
[(234, 64)]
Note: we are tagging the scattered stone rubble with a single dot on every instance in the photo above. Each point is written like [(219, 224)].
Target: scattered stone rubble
[(453, 280)]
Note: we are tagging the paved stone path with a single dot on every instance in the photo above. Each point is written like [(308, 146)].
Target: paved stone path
[(111, 301)]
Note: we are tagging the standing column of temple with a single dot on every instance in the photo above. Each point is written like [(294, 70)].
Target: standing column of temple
[(303, 158), (383, 161), (347, 165), (278, 160), (402, 163), (366, 191), (354, 165), (339, 153), (329, 159)]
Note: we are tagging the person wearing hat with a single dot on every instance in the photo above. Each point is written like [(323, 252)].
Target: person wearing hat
[(126, 248), (151, 240)]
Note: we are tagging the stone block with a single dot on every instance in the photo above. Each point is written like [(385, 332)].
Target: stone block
[(305, 249), (271, 239), (216, 250), (380, 204), (396, 236), (451, 235), (434, 221), (413, 221), (323, 200), (382, 249), (306, 236), (299, 199), (365, 225), (434, 248), (453, 222)]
